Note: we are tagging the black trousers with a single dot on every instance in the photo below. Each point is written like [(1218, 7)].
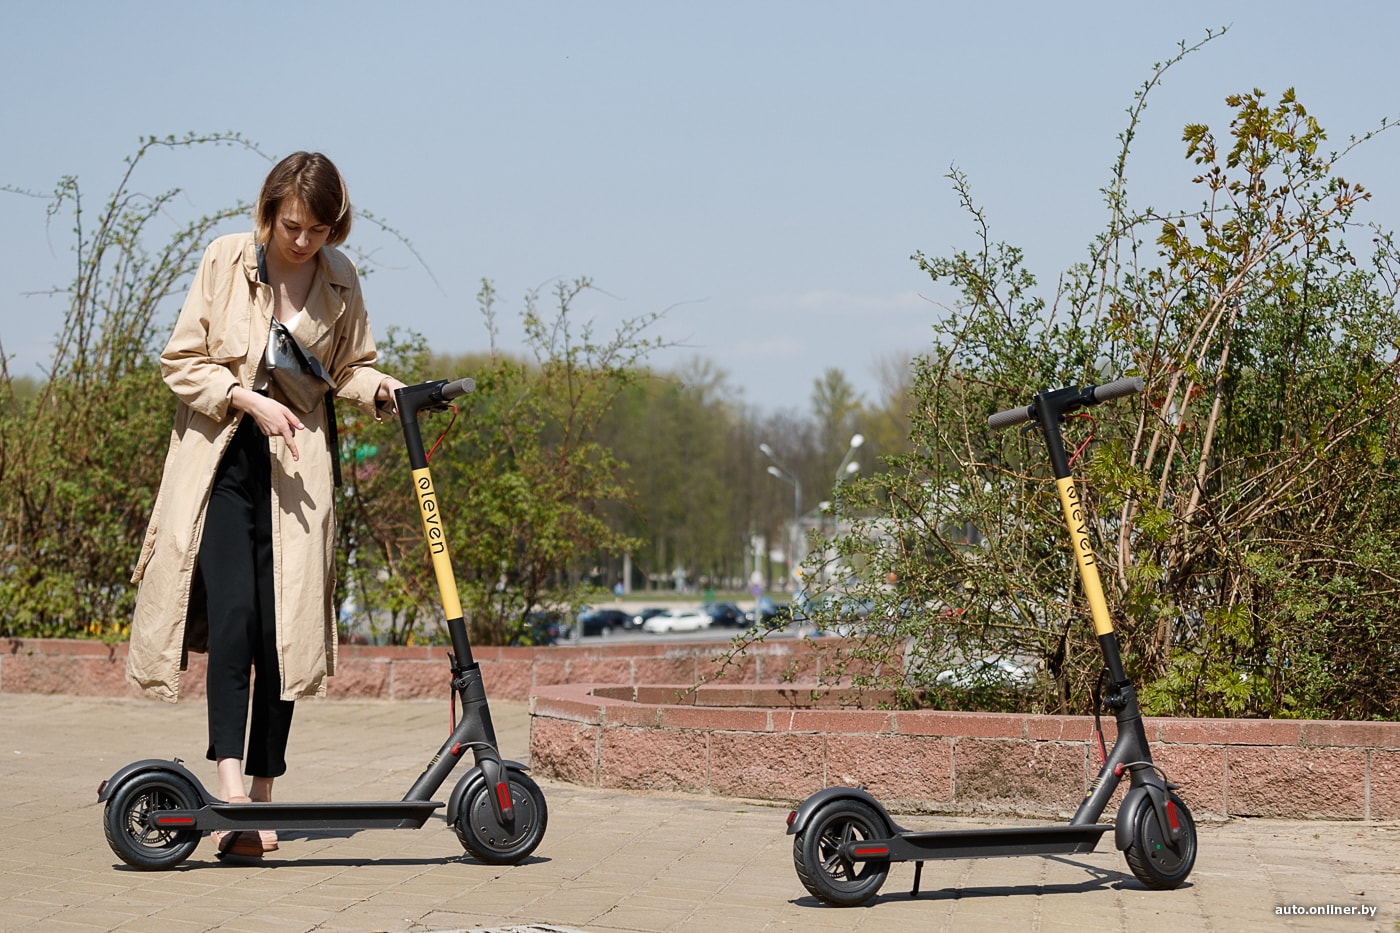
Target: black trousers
[(235, 562)]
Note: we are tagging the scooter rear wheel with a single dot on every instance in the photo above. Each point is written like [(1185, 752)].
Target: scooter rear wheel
[(126, 821), (483, 836), (816, 853), (1155, 860)]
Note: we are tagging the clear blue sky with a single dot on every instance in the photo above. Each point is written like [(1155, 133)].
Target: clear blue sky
[(762, 169)]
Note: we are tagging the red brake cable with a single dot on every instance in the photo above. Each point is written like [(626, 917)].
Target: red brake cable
[(443, 434), (1093, 425)]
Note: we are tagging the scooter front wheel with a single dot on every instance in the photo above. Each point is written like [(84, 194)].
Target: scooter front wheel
[(816, 853), (1156, 861), (127, 820), (483, 835)]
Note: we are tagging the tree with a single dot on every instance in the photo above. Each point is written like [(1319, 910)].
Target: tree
[(75, 452), (1244, 512), (525, 486), (837, 408), (1275, 349), (886, 423), (680, 435)]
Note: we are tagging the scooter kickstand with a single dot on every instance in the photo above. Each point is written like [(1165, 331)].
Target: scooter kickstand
[(918, 873)]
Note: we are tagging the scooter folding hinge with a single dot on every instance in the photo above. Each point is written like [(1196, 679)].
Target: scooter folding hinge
[(1116, 698), (463, 678)]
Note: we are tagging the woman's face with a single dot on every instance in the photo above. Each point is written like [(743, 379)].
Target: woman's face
[(296, 234)]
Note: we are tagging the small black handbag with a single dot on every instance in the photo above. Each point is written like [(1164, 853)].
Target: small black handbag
[(300, 376)]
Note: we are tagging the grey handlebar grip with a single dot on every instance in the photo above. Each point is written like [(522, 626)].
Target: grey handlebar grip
[(1130, 385), (460, 387), (1010, 417)]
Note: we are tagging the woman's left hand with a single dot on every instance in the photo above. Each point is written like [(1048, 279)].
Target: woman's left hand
[(384, 398)]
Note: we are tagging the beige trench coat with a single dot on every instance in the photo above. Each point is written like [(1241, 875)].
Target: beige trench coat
[(219, 342)]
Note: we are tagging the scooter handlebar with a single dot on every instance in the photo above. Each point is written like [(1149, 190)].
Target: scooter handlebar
[(1011, 417), (1129, 385), (458, 387), (429, 396)]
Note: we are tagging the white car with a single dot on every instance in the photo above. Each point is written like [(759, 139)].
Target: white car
[(690, 620), (994, 671)]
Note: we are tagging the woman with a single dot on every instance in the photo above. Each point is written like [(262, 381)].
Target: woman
[(238, 558)]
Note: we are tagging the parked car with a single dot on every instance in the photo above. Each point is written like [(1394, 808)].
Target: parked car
[(768, 614), (684, 621), (839, 615), (995, 671), (603, 621), (725, 614), (645, 614), (540, 628)]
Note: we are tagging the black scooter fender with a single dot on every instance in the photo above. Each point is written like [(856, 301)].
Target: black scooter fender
[(172, 765), (470, 782), (1152, 794), (803, 814)]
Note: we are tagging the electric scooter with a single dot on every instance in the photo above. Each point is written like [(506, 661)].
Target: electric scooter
[(844, 840), (157, 810)]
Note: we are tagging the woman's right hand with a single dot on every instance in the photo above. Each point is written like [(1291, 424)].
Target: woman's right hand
[(272, 417)]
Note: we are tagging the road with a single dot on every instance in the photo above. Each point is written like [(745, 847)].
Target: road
[(715, 633)]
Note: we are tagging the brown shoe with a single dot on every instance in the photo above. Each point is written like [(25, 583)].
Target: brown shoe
[(244, 844)]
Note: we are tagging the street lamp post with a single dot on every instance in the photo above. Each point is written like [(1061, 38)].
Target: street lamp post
[(777, 469), (847, 467)]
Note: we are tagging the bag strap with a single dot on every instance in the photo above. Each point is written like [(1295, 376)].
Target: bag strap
[(314, 365), (333, 437)]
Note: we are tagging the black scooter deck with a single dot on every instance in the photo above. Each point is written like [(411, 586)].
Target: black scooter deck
[(398, 814), (978, 843)]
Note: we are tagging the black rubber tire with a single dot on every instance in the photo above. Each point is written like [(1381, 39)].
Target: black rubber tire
[(1155, 861), (816, 854), (482, 835), (128, 831)]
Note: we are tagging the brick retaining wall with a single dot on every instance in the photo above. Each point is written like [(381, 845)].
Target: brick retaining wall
[(778, 744), (627, 716), (92, 668)]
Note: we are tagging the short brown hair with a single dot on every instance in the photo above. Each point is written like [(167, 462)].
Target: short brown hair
[(312, 179)]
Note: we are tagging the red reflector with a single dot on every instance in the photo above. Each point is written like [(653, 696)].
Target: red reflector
[(1172, 817), (503, 795), (868, 851), (101, 787), (173, 820), (792, 815)]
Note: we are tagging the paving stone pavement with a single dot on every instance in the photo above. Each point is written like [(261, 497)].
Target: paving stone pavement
[(610, 862)]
